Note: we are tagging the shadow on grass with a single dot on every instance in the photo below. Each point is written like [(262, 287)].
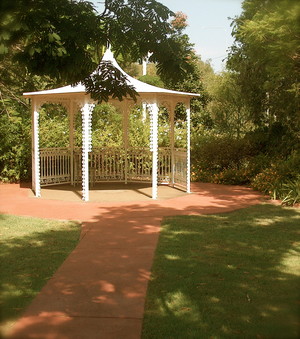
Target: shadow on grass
[(28, 261), (233, 275), (101, 288)]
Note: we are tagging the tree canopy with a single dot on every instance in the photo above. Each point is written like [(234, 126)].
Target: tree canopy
[(266, 58), (65, 39)]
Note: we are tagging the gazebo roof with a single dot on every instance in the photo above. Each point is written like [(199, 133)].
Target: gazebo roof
[(140, 87)]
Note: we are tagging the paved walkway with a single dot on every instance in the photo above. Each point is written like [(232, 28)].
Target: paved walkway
[(99, 291)]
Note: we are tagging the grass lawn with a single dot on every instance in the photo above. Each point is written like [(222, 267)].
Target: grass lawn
[(31, 250), (233, 275)]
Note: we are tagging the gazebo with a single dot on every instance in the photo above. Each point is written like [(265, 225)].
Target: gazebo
[(69, 165)]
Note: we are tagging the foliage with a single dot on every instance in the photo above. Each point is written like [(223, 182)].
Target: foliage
[(255, 103), (213, 153), (265, 58), (280, 180), (106, 127), (226, 160), (153, 80), (14, 148), (31, 251), (108, 82), (39, 40), (231, 275), (267, 182), (226, 107), (139, 128), (15, 131), (290, 192), (43, 37), (245, 124), (53, 126)]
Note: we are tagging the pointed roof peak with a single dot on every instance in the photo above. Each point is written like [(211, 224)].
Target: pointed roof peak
[(140, 87), (108, 55)]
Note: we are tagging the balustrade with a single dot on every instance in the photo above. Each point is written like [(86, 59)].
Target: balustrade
[(108, 164), (55, 166)]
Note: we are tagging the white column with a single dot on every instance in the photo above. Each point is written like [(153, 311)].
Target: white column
[(36, 185), (144, 112), (86, 112), (188, 148), (144, 62), (125, 139), (71, 139), (154, 147), (172, 142)]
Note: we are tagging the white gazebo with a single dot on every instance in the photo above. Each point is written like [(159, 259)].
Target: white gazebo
[(51, 166)]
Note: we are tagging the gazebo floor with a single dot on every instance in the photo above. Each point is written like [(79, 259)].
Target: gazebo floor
[(110, 192)]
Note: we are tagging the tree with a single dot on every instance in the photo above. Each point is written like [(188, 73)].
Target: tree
[(46, 43), (266, 59), (64, 39), (14, 122), (226, 107)]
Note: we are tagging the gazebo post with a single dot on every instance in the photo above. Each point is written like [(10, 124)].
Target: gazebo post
[(71, 140), (36, 185), (86, 112), (172, 141), (125, 140), (188, 147), (154, 147)]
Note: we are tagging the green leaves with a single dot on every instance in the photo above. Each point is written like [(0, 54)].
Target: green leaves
[(266, 59), (107, 81), (64, 39), (53, 37)]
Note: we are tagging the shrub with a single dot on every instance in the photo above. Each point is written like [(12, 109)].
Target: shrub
[(15, 148), (290, 192), (231, 176), (216, 153), (281, 180), (224, 160), (267, 181)]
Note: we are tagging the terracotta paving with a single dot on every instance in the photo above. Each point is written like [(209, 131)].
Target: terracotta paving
[(99, 291)]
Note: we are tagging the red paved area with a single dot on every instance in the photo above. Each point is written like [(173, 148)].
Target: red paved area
[(99, 291)]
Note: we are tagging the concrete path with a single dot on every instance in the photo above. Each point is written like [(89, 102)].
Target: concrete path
[(99, 291)]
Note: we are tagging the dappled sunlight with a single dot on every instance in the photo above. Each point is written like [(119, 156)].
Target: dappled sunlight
[(179, 233), (231, 277), (132, 294), (106, 276), (172, 257), (13, 291), (214, 300), (181, 306), (144, 275), (104, 299), (19, 244), (107, 287), (53, 318), (290, 262), (66, 290), (48, 243), (147, 229), (268, 222)]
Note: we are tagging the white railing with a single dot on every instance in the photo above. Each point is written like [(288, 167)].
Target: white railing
[(112, 164), (164, 164), (104, 164), (139, 164), (180, 167), (55, 166)]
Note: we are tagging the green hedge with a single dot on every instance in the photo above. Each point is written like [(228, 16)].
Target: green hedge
[(225, 160)]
